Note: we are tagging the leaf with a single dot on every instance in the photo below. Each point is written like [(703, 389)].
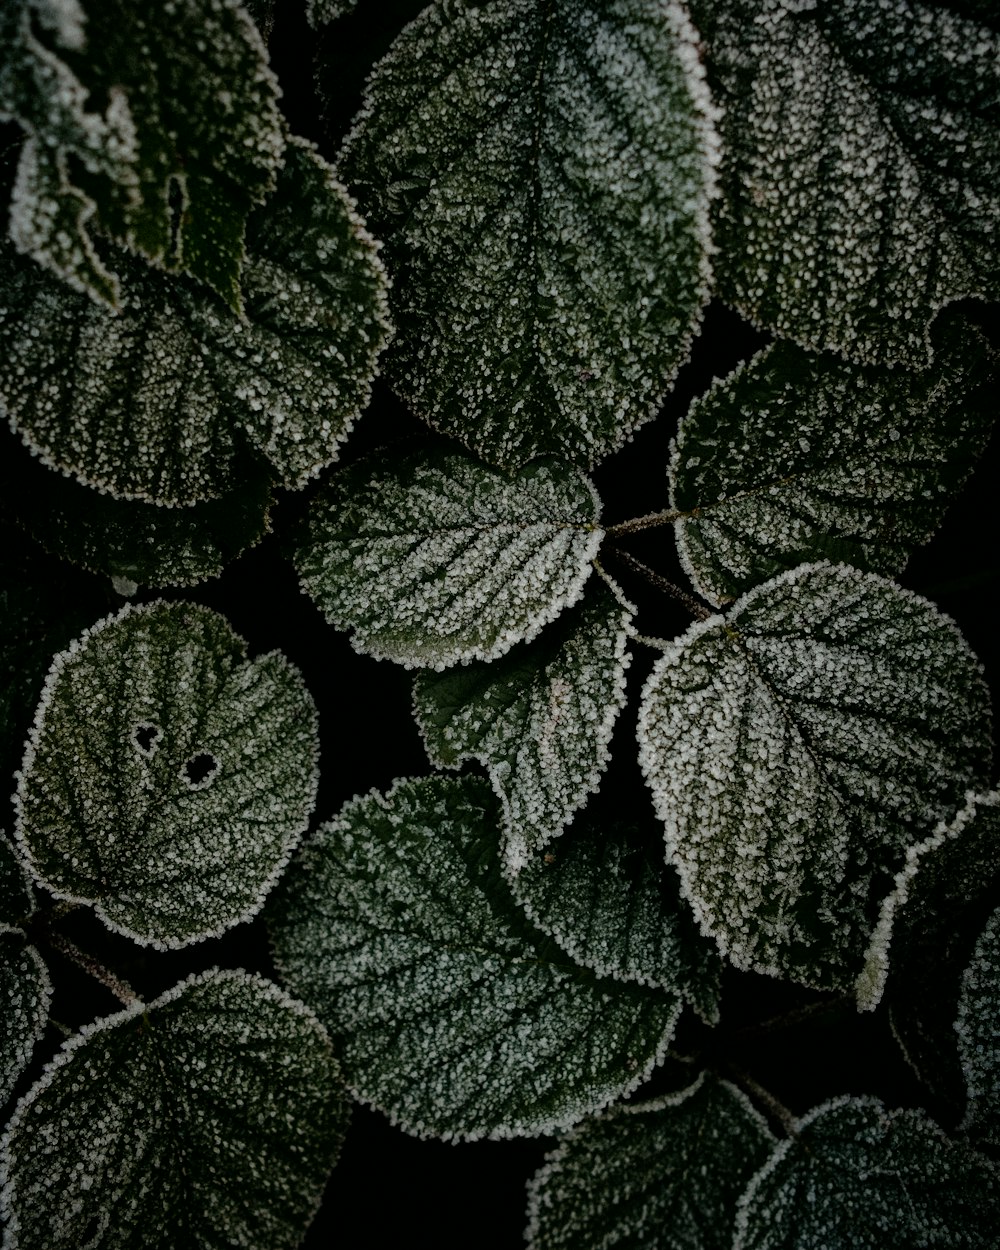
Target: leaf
[(167, 777), (799, 456), (613, 910), (159, 402), (131, 541), (25, 994), (209, 1118), (666, 1172), (320, 12), (449, 1013), (861, 173), (796, 748), (858, 1175), (539, 720), (978, 1037), (153, 125), (16, 898), (431, 558), (541, 174)]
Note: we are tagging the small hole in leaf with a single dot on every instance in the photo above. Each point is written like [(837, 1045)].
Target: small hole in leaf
[(146, 737), (199, 769)]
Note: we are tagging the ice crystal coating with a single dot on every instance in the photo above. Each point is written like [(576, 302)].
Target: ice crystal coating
[(209, 1118), (155, 125), (651, 1175), (114, 807), (541, 171), (319, 12), (539, 720), (159, 401), (25, 994), (860, 186), (799, 456), (796, 748), (16, 898), (432, 558), (979, 1036), (856, 1174), (448, 1011), (614, 909)]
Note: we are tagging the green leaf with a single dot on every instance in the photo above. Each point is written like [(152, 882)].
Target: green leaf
[(25, 994), (796, 748), (209, 1118), (856, 1175), (539, 720), (159, 402), (798, 456), (432, 558), (651, 1175), (449, 1013), (609, 906), (156, 126), (978, 1038), (16, 898), (860, 185), (167, 777), (541, 173)]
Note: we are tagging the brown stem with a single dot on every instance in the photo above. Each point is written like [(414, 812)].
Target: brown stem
[(121, 990), (763, 1096), (652, 520), (698, 610)]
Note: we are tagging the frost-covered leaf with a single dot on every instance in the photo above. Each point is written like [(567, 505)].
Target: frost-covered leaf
[(652, 1175), (132, 541), (856, 1175), (25, 993), (262, 12), (16, 899), (209, 1118), (319, 12), (799, 456), (924, 939), (615, 910), (539, 720), (167, 777), (160, 401), (978, 1030), (541, 173), (449, 1012), (155, 125), (796, 748), (861, 186), (432, 558)]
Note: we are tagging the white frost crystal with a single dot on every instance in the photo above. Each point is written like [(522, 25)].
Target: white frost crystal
[(25, 994), (978, 1030), (167, 777)]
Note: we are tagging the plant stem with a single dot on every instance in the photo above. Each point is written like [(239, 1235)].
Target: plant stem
[(121, 990), (698, 610), (650, 521), (790, 1018), (764, 1096)]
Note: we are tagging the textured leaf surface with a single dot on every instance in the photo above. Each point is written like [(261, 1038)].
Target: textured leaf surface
[(861, 176), (608, 905), (979, 1036), (796, 748), (155, 125), (539, 720), (158, 401), (209, 1118), (25, 993), (319, 12), (857, 1176), (541, 173), (167, 777), (652, 1175), (16, 901), (798, 456), (432, 558), (449, 1013)]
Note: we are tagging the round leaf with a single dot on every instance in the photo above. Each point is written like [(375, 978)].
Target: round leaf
[(167, 777), (796, 748), (448, 1012), (25, 994), (539, 720), (651, 1175), (209, 1118), (541, 173), (857, 1175), (798, 456), (432, 558), (862, 175), (159, 401)]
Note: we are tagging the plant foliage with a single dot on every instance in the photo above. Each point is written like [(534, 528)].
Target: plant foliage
[(456, 906)]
